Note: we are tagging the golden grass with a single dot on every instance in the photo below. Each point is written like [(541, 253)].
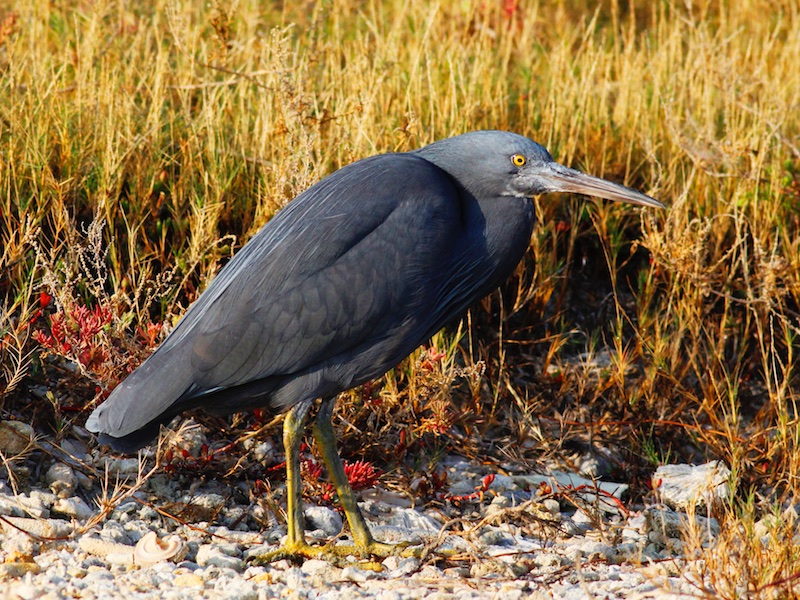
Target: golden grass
[(142, 143)]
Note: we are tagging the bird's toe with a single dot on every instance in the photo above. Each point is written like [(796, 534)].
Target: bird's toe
[(339, 555)]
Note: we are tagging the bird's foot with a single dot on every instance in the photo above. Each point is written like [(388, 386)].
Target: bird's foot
[(339, 555)]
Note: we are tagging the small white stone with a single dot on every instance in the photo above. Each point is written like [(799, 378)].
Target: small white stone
[(261, 451), (357, 575), (682, 486), (552, 506), (663, 523), (73, 507), (38, 527), (503, 483), (402, 566), (15, 437), (209, 501), (21, 505), (117, 466), (9, 506), (101, 547), (635, 529), (547, 560), (324, 518), (61, 479), (26, 591), (189, 437), (320, 568), (494, 536), (210, 555)]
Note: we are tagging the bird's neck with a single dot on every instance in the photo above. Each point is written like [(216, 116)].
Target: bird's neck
[(508, 227)]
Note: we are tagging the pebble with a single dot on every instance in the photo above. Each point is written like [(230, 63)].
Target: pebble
[(358, 575), (74, 507), (400, 567), (552, 506), (686, 486), (323, 518), (662, 523), (46, 528), (22, 505), (508, 558), (116, 466), (211, 555), (189, 438), (15, 437), (260, 451), (61, 479)]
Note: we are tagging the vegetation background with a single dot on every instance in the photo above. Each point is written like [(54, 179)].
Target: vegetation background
[(142, 143)]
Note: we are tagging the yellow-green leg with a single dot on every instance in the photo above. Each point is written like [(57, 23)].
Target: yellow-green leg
[(293, 426), (365, 544), (295, 547)]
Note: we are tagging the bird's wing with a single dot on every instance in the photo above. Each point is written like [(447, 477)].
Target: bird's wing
[(348, 261), (359, 257)]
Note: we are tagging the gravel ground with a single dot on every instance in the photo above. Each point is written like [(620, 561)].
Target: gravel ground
[(509, 542)]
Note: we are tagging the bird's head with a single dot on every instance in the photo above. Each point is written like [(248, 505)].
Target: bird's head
[(499, 163)]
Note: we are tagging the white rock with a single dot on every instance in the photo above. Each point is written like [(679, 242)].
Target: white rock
[(261, 451), (358, 575), (771, 522), (400, 567), (406, 525), (61, 479), (324, 518), (503, 483), (583, 520), (38, 527), (26, 591), (682, 486), (15, 437), (210, 555), (117, 466), (73, 507), (40, 499), (635, 529), (22, 505), (189, 437), (10, 506), (552, 506), (498, 504), (295, 578), (495, 536), (663, 523), (103, 548), (321, 569), (86, 482), (208, 501), (414, 521)]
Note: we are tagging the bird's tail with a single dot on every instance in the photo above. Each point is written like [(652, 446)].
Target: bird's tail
[(160, 389), (152, 395)]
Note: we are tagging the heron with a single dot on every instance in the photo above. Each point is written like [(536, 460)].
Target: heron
[(338, 288)]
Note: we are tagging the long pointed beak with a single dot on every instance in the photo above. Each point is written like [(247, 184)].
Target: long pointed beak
[(559, 178)]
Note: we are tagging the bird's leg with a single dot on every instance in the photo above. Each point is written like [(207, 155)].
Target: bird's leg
[(365, 544), (295, 546), (293, 426)]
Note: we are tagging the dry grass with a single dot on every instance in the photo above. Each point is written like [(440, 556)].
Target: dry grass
[(141, 144)]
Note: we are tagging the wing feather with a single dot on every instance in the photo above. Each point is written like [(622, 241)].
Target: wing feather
[(358, 262)]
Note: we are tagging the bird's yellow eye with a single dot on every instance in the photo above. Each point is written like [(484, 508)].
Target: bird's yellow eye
[(518, 160)]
